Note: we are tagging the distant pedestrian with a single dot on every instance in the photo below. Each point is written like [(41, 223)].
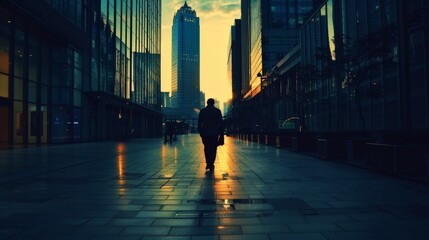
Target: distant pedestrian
[(210, 127), (170, 131)]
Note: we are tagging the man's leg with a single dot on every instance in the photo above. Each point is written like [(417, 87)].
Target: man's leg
[(210, 145), (213, 156)]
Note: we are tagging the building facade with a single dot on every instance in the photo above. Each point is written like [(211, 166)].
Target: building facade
[(74, 71), (234, 60), (360, 68), (185, 69), (165, 96), (385, 87), (270, 31)]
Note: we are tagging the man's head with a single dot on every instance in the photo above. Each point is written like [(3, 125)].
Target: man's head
[(210, 102)]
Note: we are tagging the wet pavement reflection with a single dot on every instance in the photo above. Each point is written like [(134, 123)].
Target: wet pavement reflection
[(145, 189)]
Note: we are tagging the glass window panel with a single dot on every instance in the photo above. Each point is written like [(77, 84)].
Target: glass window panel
[(18, 122), (77, 78), (59, 55), (19, 60), (32, 91), (4, 51), (4, 85), (79, 13), (77, 60), (77, 123), (45, 66), (18, 88), (60, 95), (34, 120), (44, 94), (61, 75), (44, 124), (77, 98), (34, 56), (61, 127)]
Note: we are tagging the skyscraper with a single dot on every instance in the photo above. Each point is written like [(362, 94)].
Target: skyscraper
[(270, 29), (185, 68)]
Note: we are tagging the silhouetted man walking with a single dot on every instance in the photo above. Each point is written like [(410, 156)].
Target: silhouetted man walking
[(211, 131)]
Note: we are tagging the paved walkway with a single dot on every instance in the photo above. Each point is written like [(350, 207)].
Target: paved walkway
[(143, 189)]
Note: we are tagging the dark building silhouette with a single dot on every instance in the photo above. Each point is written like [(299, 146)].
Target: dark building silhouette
[(234, 60), (73, 71), (360, 67)]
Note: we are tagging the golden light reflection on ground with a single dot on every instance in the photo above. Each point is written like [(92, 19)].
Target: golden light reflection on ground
[(175, 155), (163, 155), (224, 170), (121, 166)]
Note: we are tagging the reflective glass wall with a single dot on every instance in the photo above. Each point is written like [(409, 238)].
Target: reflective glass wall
[(369, 61), (66, 70)]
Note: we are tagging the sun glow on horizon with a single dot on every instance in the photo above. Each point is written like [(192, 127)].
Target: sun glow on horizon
[(216, 19)]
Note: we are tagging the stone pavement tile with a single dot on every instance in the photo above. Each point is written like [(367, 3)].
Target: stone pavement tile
[(154, 207), (156, 202), (364, 226), (183, 207), (298, 236), (174, 222), (51, 237), (253, 207), (265, 229), (328, 218), (123, 207), (239, 221), (127, 214), (98, 230), (156, 214), (400, 235), (205, 230), (146, 231), (244, 237), (137, 222), (51, 229), (98, 221), (74, 221), (117, 237), (209, 237), (354, 236), (166, 238), (277, 218), (210, 222), (374, 217), (315, 227), (95, 213)]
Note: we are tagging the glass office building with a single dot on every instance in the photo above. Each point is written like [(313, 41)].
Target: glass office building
[(270, 30), (234, 60), (388, 90), (73, 71), (185, 68)]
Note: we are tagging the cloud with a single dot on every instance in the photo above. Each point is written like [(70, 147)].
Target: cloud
[(229, 8)]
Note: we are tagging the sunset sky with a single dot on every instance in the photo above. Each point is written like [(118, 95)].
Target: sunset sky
[(216, 18)]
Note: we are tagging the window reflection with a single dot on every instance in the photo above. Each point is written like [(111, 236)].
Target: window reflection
[(4, 85), (331, 30)]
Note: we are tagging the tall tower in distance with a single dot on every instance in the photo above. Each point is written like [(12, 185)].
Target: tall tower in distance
[(185, 64)]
